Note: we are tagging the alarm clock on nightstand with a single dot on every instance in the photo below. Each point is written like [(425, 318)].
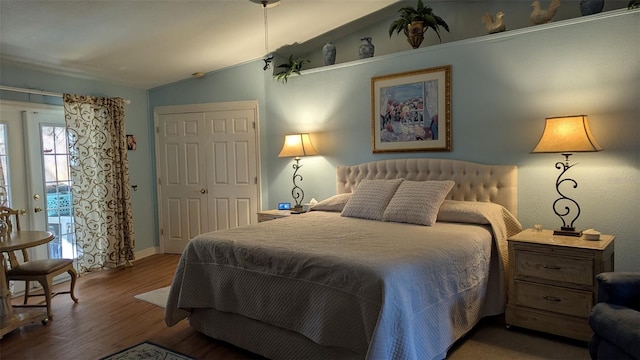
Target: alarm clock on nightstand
[(284, 206)]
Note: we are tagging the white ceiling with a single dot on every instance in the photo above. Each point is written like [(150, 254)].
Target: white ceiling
[(147, 43)]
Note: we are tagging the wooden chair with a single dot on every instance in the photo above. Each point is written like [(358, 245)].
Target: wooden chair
[(42, 271), (6, 214)]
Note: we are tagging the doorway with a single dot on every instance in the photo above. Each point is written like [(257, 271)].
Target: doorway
[(35, 159), (207, 156)]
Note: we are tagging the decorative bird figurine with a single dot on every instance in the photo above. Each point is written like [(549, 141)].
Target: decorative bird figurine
[(494, 26), (543, 16)]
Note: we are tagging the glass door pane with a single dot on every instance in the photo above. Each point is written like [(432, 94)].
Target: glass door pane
[(58, 201), (48, 181)]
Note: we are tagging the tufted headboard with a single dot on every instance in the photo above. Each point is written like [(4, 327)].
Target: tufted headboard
[(474, 182)]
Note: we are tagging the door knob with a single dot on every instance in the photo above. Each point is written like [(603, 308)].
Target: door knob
[(37, 209), (203, 191), (36, 197)]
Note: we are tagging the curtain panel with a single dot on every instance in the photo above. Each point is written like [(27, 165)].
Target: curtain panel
[(101, 188)]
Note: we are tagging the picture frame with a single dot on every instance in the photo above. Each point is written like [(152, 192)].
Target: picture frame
[(411, 111), (131, 142)]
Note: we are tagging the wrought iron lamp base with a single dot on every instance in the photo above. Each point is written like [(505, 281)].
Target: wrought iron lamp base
[(297, 192), (296, 210), (567, 231)]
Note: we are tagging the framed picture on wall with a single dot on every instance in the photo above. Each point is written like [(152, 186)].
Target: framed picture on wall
[(131, 142), (411, 111)]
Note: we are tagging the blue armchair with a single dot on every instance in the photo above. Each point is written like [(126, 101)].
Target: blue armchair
[(615, 319)]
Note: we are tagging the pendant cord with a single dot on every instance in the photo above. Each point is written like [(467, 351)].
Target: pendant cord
[(266, 27)]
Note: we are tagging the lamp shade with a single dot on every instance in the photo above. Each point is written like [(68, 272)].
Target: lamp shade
[(297, 145), (566, 134)]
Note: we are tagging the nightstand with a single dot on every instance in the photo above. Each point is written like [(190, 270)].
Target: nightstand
[(552, 285), (267, 215)]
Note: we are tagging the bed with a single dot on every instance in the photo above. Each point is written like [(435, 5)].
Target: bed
[(363, 275)]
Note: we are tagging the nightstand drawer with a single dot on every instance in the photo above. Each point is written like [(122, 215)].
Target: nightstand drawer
[(552, 285), (552, 298), (555, 268)]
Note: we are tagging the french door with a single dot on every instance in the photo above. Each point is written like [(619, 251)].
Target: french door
[(35, 159)]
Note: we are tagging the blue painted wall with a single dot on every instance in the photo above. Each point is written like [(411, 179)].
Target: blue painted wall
[(503, 87)]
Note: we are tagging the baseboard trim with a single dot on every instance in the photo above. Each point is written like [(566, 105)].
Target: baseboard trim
[(147, 252)]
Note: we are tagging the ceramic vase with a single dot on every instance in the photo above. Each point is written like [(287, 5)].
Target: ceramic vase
[(365, 50), (590, 7), (329, 53)]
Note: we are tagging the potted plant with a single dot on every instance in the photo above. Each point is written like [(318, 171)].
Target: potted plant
[(293, 66), (414, 21)]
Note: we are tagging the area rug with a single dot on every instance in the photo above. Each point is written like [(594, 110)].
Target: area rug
[(147, 350), (156, 297)]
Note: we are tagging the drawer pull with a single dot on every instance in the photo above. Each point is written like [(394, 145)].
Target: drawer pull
[(552, 267), (552, 298)]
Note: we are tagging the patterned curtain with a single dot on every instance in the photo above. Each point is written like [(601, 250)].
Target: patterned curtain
[(100, 173)]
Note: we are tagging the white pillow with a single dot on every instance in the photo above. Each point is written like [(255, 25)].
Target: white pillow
[(464, 211), (333, 203), (417, 202), (370, 198), (476, 212)]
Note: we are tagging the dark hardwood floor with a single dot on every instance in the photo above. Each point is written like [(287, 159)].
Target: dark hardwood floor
[(108, 318)]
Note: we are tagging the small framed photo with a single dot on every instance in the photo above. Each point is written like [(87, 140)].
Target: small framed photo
[(411, 111), (131, 142)]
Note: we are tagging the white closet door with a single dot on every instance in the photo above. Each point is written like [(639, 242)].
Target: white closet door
[(207, 160)]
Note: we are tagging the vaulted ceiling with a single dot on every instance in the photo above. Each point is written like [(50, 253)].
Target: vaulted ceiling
[(147, 43)]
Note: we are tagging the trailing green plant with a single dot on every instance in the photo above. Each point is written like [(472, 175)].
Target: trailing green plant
[(420, 12), (293, 66), (633, 4)]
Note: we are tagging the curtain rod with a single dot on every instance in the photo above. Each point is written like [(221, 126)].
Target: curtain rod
[(40, 92)]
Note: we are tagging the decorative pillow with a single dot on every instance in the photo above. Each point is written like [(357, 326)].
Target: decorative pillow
[(417, 202), (469, 212), (477, 212), (370, 198), (333, 203)]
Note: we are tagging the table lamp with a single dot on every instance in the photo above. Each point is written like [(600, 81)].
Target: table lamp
[(566, 135), (297, 145)]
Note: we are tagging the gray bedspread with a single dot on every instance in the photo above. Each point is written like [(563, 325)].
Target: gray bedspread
[(379, 289)]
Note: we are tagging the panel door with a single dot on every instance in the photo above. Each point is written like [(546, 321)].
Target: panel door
[(208, 168), (182, 170), (233, 171)]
